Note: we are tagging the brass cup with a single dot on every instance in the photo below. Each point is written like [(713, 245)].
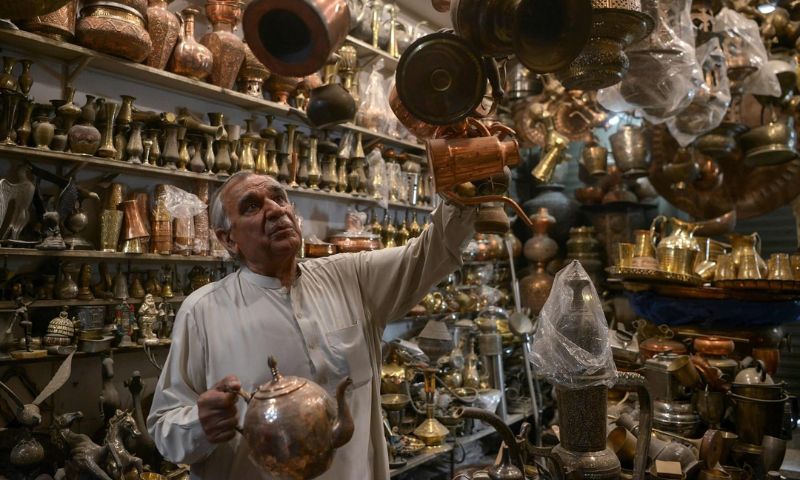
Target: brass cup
[(676, 260), (643, 240), (622, 443), (794, 259), (748, 268), (729, 439), (726, 268), (595, 160), (779, 267), (683, 370), (626, 251), (110, 228)]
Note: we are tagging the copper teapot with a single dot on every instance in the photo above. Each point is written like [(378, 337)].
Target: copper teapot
[(292, 425)]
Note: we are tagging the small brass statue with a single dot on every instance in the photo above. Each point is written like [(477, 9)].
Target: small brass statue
[(148, 313)]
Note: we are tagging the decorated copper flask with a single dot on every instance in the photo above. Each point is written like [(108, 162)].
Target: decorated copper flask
[(293, 426)]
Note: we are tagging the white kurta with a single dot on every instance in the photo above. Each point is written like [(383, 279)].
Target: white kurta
[(327, 327)]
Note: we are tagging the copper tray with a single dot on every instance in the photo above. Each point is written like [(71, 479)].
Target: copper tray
[(762, 284), (644, 275)]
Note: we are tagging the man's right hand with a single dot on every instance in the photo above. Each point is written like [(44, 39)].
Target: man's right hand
[(217, 410)]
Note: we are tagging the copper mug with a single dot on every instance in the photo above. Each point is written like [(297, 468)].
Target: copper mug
[(294, 38)]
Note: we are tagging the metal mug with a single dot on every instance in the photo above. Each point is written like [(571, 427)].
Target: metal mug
[(779, 267), (676, 260), (774, 450), (626, 251), (726, 268)]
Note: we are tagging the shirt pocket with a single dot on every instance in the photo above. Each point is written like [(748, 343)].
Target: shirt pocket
[(349, 349)]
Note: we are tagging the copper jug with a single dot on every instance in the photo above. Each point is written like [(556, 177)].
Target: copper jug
[(294, 38), (292, 425)]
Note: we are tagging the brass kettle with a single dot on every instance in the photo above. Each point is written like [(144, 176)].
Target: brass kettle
[(292, 425), (676, 252)]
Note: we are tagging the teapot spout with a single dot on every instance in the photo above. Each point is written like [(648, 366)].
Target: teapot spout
[(343, 428)]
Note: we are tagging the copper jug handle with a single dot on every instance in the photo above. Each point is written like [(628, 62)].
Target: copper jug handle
[(455, 198), (659, 220)]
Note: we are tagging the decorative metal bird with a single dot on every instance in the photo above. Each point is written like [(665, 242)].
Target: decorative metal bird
[(15, 203)]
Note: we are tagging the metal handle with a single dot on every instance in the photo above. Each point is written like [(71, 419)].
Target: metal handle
[(454, 197), (628, 380)]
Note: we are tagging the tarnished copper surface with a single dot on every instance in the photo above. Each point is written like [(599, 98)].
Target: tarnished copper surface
[(58, 25), (163, 27), (747, 190)]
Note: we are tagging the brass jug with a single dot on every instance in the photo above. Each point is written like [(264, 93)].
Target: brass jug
[(746, 256), (676, 252)]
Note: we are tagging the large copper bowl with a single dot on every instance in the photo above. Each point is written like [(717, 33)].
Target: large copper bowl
[(21, 9)]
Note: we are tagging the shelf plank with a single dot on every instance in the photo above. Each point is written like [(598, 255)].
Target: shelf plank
[(129, 71), (99, 256), (60, 358), (9, 304), (365, 49), (116, 166)]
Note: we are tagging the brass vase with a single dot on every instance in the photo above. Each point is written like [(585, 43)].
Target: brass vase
[(190, 58), (163, 27), (540, 249), (107, 149), (226, 48), (117, 28), (84, 137), (58, 25)]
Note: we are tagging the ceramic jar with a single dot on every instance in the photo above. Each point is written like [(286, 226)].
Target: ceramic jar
[(116, 28), (163, 27), (190, 58), (226, 48)]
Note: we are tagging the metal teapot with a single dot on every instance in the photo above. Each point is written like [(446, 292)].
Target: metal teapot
[(292, 425)]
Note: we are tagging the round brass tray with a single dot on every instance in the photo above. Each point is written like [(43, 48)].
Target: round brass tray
[(762, 284), (652, 276)]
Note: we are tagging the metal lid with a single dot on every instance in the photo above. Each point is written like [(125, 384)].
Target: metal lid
[(440, 79), (279, 385)]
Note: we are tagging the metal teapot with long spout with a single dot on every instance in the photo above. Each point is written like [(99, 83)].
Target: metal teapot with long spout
[(293, 426)]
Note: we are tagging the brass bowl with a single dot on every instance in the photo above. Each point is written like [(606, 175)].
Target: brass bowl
[(770, 144), (21, 9)]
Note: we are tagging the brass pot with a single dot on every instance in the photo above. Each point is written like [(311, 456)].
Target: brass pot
[(770, 144), (22, 9), (115, 27), (58, 24), (252, 74), (595, 160), (631, 153), (295, 37)]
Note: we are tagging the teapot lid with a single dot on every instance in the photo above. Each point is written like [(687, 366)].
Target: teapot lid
[(279, 385)]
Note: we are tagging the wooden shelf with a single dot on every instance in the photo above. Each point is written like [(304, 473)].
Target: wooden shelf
[(100, 256), (60, 358), (370, 53), (9, 304), (414, 462), (79, 57)]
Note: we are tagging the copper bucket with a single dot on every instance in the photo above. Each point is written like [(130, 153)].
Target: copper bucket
[(294, 38)]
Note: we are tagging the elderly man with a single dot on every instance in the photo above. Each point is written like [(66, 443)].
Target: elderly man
[(322, 319)]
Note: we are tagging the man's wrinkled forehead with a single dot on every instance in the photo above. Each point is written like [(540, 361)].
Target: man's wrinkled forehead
[(250, 183)]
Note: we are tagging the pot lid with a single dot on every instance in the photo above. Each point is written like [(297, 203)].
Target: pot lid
[(279, 385), (440, 79), (755, 375)]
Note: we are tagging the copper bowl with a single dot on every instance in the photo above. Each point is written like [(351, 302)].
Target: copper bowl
[(317, 250), (716, 346), (356, 242)]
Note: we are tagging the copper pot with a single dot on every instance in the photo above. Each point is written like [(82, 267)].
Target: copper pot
[(293, 426), (115, 27), (21, 9), (295, 37), (58, 24), (414, 125), (351, 243), (226, 48), (655, 345), (713, 346)]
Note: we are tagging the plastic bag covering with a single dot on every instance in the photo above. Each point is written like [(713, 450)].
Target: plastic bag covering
[(664, 74), (570, 346), (377, 182), (182, 204), (711, 101), (373, 113), (745, 53)]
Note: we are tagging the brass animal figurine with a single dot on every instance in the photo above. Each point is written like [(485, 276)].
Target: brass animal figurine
[(83, 454)]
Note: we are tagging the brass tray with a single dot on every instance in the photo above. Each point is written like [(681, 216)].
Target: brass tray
[(644, 275), (761, 284), (718, 293)]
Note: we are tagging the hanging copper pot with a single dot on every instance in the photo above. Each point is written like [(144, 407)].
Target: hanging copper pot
[(294, 38), (616, 24), (440, 79), (548, 35), (414, 125)]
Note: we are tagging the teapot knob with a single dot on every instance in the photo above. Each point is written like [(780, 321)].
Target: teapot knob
[(273, 366)]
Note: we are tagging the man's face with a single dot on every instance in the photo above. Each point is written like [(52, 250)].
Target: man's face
[(264, 229)]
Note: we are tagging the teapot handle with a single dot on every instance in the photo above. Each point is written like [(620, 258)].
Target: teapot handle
[(758, 242), (659, 220), (246, 397)]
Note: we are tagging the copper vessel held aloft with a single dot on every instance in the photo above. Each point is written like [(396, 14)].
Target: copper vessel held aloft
[(292, 425)]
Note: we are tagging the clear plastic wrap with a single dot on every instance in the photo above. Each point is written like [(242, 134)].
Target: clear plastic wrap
[(664, 74), (183, 207), (374, 109), (377, 181), (745, 54), (711, 100), (570, 346)]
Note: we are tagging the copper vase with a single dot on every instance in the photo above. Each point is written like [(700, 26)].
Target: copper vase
[(58, 25), (226, 48), (190, 58), (163, 27), (115, 27)]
